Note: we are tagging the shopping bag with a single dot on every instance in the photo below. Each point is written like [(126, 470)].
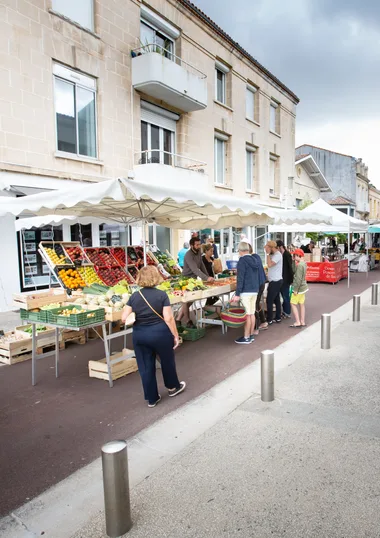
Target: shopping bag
[(218, 268)]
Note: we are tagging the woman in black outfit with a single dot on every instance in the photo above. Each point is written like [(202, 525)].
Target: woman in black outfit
[(154, 333)]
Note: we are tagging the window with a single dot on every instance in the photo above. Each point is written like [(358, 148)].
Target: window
[(250, 103), (273, 173), (75, 109), (220, 159), (250, 169), (298, 202), (154, 41), (220, 86), (157, 135), (221, 71), (81, 11), (274, 120)]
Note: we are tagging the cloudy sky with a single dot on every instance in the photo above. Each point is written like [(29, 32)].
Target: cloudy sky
[(328, 53)]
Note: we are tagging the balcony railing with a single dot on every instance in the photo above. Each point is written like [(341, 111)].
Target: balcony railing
[(158, 156), (166, 53)]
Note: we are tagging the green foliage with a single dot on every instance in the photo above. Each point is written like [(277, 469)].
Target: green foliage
[(313, 236), (305, 203)]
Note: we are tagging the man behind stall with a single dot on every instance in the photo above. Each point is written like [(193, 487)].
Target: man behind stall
[(193, 267)]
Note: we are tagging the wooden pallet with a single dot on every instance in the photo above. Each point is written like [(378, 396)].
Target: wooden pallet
[(99, 370), (72, 337)]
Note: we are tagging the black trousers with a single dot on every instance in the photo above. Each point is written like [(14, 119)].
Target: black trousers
[(149, 341), (259, 314), (273, 296)]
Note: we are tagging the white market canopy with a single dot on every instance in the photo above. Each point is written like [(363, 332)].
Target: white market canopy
[(340, 222), (55, 220), (125, 201)]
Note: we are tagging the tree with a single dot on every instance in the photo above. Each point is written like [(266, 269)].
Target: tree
[(305, 203)]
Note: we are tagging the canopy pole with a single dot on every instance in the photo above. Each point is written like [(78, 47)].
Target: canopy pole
[(368, 263), (349, 248), (144, 234)]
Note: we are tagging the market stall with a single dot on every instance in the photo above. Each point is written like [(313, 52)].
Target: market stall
[(321, 269), (127, 201)]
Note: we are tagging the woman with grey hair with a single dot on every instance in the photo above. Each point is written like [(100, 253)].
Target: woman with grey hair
[(247, 288)]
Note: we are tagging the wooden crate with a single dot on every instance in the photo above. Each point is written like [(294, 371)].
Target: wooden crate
[(99, 370), (36, 299), (21, 350), (69, 337)]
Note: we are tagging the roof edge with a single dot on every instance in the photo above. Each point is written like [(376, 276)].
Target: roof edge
[(199, 13)]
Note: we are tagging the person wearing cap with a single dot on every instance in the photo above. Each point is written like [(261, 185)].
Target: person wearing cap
[(299, 290), (287, 277), (274, 262)]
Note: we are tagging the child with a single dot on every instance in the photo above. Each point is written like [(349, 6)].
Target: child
[(299, 290)]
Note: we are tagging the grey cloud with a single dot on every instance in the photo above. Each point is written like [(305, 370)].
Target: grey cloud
[(326, 52)]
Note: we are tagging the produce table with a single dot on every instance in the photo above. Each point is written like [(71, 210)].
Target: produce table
[(107, 338), (330, 272)]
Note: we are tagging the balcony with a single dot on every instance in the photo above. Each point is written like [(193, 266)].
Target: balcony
[(162, 75), (170, 169)]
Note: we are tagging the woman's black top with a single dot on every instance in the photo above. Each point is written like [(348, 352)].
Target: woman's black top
[(209, 266), (145, 315)]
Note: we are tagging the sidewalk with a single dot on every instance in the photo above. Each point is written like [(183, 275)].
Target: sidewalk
[(227, 464), (305, 465)]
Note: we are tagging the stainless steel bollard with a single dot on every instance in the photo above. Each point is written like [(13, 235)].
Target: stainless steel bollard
[(267, 376), (326, 331), (356, 308), (375, 293), (116, 488)]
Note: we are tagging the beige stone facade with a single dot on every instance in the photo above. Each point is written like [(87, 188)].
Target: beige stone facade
[(37, 42), (374, 203), (33, 38)]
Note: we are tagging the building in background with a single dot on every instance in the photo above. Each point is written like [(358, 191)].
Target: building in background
[(309, 181), (374, 203), (347, 177), (99, 89)]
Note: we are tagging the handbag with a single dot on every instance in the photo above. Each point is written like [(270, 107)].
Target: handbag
[(234, 316), (290, 291)]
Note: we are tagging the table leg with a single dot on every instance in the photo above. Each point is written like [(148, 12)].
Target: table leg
[(108, 357), (33, 354), (110, 332), (56, 352)]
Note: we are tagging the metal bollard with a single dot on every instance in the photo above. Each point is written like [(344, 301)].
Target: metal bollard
[(375, 294), (356, 308), (116, 488), (326, 331), (267, 376)]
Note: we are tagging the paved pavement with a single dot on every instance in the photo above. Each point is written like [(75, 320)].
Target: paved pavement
[(235, 466), (306, 465), (57, 427)]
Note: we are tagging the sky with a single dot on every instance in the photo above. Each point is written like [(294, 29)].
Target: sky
[(328, 53)]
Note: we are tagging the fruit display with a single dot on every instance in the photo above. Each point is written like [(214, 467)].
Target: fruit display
[(111, 276), (132, 256), (119, 254), (68, 311), (188, 284), (50, 306), (56, 254), (101, 257), (71, 279), (168, 263), (76, 255), (133, 271), (88, 274), (140, 254)]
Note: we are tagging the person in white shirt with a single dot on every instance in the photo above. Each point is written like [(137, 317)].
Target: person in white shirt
[(274, 262)]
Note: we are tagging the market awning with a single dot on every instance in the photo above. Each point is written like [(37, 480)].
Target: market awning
[(127, 201), (340, 222), (56, 220)]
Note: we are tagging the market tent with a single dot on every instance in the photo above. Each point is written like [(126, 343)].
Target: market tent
[(127, 201), (55, 220), (340, 222), (374, 229)]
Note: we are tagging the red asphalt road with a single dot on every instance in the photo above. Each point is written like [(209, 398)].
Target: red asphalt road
[(51, 430)]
